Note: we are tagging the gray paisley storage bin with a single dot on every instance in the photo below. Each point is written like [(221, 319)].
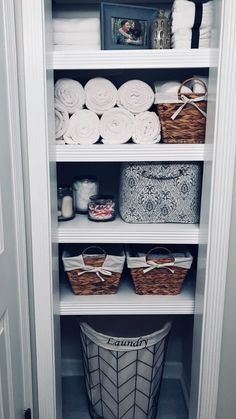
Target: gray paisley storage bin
[(160, 192)]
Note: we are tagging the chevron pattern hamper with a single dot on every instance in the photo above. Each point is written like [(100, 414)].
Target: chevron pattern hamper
[(123, 375)]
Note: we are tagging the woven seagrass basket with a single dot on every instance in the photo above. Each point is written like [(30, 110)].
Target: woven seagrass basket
[(93, 283), (160, 281), (189, 126)]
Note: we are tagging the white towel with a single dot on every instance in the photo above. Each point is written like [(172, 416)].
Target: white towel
[(183, 38), (116, 126), (100, 95), (82, 25), (81, 40), (136, 96), (61, 120), (147, 128), (197, 86), (183, 15), (70, 94), (164, 92), (83, 128)]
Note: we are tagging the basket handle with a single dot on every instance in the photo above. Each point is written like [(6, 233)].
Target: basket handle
[(192, 79), (161, 177), (94, 247), (154, 265), (162, 248)]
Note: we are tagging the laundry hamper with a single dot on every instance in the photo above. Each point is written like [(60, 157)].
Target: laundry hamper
[(160, 192), (94, 270), (159, 270), (123, 374), (183, 117)]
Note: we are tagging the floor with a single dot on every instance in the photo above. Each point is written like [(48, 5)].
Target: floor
[(171, 403)]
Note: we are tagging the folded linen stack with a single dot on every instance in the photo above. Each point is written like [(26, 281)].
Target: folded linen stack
[(192, 22), (82, 33)]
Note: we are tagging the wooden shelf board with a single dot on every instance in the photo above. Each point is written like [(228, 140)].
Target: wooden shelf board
[(125, 301)]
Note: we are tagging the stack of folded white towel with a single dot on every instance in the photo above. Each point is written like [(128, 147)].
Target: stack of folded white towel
[(192, 22), (114, 115), (81, 33)]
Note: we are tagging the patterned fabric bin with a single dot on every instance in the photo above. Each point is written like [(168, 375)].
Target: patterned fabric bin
[(123, 374), (159, 192)]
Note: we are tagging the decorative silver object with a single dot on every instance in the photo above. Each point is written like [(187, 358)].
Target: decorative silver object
[(161, 32)]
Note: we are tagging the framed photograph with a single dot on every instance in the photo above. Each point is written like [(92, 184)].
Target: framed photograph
[(126, 26)]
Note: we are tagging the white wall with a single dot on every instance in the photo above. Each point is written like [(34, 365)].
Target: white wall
[(227, 383)]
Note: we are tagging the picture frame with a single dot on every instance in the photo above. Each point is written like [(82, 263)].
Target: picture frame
[(126, 26)]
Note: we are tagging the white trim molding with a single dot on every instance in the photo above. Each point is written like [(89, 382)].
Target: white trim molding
[(209, 304)]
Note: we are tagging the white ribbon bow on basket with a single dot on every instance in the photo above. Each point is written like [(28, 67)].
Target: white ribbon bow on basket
[(190, 101), (97, 270), (154, 265)]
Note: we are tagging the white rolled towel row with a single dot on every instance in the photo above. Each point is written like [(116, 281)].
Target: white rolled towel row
[(69, 94), (183, 15), (83, 128), (82, 25), (135, 96), (100, 94), (147, 128), (61, 120), (82, 41), (116, 126)]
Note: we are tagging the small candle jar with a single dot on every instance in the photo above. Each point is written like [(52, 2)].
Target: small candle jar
[(101, 208), (84, 187), (65, 203)]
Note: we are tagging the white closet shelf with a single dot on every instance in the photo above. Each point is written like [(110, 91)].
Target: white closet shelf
[(131, 152), (125, 301), (82, 230), (125, 59)]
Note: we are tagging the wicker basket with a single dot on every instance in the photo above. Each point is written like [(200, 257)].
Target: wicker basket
[(86, 278), (151, 278), (184, 123)]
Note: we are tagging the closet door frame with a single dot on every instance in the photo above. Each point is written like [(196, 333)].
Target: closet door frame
[(212, 266)]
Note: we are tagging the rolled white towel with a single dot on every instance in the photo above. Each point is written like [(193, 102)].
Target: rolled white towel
[(100, 95), (136, 96), (147, 128), (87, 25), (116, 126), (70, 94), (83, 128), (81, 40), (61, 120), (197, 85), (183, 15)]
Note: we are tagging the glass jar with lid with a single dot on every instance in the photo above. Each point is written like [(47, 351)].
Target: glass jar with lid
[(84, 187), (101, 208), (65, 203)]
